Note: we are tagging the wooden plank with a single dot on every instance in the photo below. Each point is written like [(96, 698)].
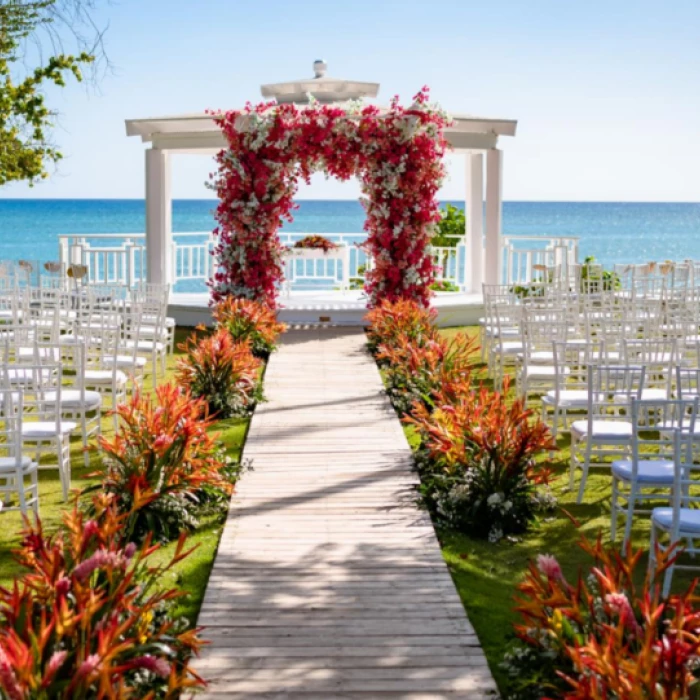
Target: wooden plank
[(329, 582)]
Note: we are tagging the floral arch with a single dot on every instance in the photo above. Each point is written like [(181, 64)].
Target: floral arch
[(396, 153)]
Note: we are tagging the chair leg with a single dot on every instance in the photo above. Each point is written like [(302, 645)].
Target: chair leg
[(35, 492), (83, 426), (21, 495), (652, 550), (64, 465), (668, 578), (584, 472), (631, 502), (613, 510), (572, 462)]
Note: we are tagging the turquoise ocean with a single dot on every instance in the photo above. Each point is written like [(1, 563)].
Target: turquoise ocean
[(612, 232)]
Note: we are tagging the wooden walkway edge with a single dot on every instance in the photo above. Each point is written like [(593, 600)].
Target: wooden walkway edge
[(329, 582)]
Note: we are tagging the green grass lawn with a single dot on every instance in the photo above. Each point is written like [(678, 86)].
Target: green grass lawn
[(190, 575), (486, 574)]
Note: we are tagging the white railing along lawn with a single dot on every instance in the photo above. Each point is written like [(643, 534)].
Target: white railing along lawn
[(120, 258)]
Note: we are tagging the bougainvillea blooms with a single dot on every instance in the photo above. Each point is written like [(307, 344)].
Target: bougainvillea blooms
[(396, 153)]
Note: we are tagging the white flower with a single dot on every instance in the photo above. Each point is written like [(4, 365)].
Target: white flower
[(494, 499)]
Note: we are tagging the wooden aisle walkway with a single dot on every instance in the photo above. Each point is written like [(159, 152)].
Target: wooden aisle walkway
[(329, 582)]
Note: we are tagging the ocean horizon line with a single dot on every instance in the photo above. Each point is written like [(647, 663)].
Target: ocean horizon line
[(348, 199)]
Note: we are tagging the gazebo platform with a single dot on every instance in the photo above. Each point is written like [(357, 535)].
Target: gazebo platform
[(333, 307)]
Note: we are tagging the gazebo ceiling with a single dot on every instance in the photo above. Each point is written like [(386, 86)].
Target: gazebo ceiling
[(198, 133)]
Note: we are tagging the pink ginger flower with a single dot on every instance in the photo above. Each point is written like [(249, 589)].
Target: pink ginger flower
[(162, 443), (89, 666), (130, 550), (549, 566), (151, 663), (89, 529), (63, 586), (620, 605), (100, 559), (8, 680)]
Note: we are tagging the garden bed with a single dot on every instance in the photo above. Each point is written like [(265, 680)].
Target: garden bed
[(487, 574), (191, 574)]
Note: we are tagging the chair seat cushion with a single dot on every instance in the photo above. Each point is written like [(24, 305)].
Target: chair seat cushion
[(539, 356), (689, 519), (542, 371), (603, 428), (650, 394), (508, 347), (19, 375), (145, 345), (567, 397), (9, 465), (127, 360), (34, 430), (103, 376), (52, 354), (72, 398), (648, 471)]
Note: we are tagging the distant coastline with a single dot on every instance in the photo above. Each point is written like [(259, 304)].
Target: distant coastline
[(610, 231)]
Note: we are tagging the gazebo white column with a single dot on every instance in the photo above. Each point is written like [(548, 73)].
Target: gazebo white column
[(494, 206), (159, 228), (475, 221)]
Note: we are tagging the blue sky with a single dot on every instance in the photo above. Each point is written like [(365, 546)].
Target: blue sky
[(607, 94)]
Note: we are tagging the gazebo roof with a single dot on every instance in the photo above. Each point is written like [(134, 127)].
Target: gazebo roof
[(198, 133)]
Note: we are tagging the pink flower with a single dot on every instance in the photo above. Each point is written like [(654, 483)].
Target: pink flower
[(56, 661), (89, 666), (158, 666), (549, 566), (63, 586), (130, 550), (89, 529), (8, 680), (620, 605), (100, 559)]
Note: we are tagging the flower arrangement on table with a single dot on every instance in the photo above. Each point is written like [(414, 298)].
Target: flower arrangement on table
[(316, 242)]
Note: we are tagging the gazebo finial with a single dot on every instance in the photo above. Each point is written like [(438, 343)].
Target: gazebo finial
[(323, 88)]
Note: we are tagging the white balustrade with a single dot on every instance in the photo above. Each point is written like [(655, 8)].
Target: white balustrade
[(120, 259)]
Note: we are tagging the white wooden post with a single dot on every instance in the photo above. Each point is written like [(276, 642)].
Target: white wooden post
[(494, 206), (159, 229), (475, 221)]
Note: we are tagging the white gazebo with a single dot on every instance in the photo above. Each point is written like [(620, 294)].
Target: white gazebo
[(475, 137)]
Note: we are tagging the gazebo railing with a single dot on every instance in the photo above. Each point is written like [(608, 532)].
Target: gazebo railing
[(120, 258), (520, 255)]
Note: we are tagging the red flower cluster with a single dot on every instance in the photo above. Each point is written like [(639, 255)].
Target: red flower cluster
[(397, 155), (316, 242)]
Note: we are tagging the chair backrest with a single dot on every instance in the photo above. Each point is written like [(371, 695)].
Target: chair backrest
[(659, 356), (12, 407), (611, 388), (543, 325), (653, 422), (571, 360), (685, 488)]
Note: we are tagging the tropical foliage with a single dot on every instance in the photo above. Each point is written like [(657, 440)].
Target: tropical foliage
[(396, 153), (221, 371), (451, 227), (477, 448), (25, 118), (91, 617), (477, 460), (604, 636), (162, 463), (389, 321), (416, 369), (251, 321)]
